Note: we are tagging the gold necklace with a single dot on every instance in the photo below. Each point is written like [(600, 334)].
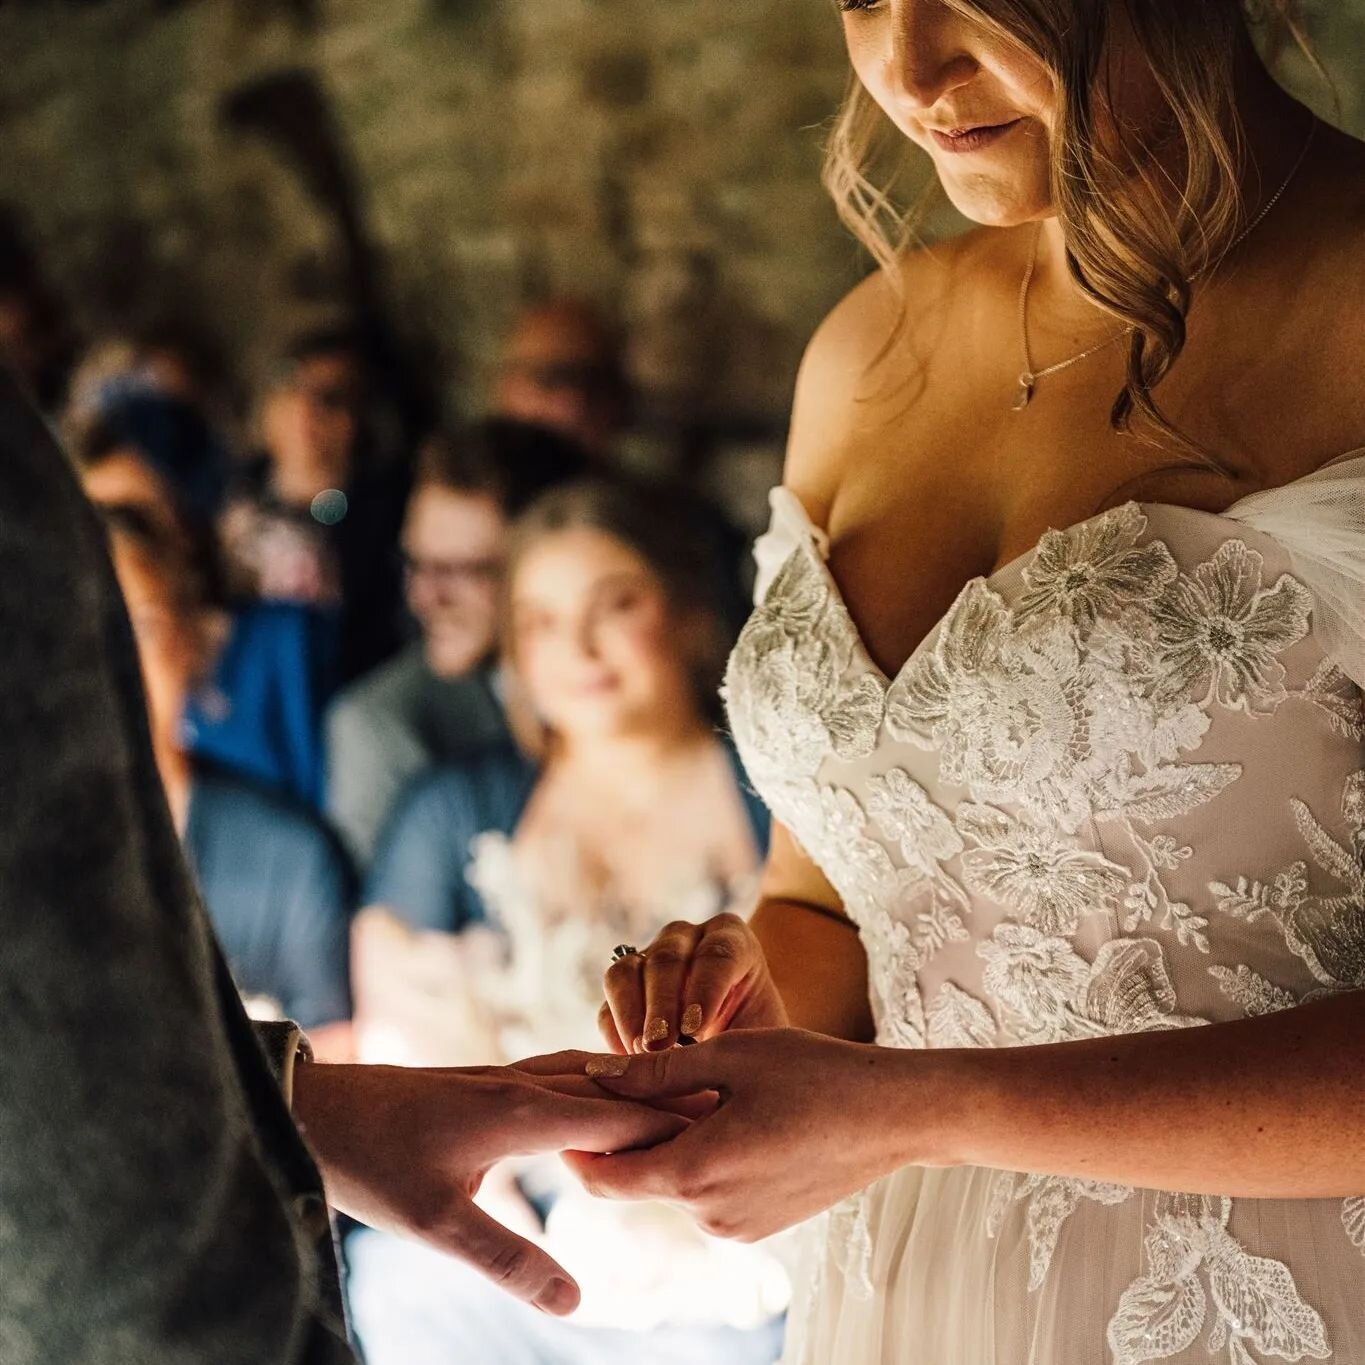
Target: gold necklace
[(1029, 377)]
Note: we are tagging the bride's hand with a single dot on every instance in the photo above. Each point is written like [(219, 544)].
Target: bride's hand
[(694, 981), (803, 1120)]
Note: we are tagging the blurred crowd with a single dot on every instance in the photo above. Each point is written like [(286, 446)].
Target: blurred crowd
[(437, 722)]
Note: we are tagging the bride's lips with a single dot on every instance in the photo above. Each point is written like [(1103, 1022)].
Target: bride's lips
[(972, 139)]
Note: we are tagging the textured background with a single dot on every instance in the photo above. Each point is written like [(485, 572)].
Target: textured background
[(257, 166)]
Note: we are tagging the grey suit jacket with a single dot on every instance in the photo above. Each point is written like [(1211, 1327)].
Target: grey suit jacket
[(157, 1204)]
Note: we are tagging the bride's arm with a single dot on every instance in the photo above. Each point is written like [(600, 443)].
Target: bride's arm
[(813, 950), (1266, 1108), (1272, 1107)]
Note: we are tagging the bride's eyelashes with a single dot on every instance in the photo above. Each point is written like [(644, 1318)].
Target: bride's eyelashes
[(849, 6)]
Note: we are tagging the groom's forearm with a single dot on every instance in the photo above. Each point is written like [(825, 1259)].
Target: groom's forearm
[(1272, 1107)]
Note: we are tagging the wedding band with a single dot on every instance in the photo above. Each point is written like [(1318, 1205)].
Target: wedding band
[(624, 950)]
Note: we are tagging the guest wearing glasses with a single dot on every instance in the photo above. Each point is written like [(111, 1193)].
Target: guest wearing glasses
[(439, 698)]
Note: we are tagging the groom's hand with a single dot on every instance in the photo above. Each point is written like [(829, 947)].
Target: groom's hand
[(405, 1150)]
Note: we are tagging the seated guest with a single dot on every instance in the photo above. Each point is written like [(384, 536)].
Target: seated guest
[(500, 888), (438, 699), (169, 359), (561, 368), (260, 713), (274, 882), (314, 518)]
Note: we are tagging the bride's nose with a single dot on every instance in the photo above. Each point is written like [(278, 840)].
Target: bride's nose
[(927, 52)]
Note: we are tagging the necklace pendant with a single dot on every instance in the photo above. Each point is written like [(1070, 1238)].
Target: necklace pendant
[(1025, 395)]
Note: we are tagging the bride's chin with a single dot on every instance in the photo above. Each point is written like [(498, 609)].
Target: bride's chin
[(998, 200)]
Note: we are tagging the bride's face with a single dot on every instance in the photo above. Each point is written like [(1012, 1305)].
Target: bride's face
[(983, 108)]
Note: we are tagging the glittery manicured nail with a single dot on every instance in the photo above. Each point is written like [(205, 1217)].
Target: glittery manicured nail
[(691, 1020), (607, 1066), (656, 1030)]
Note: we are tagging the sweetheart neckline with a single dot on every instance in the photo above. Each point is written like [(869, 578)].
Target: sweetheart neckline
[(817, 541)]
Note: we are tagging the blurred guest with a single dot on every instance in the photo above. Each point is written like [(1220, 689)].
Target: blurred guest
[(274, 882), (502, 885), (160, 446), (182, 362), (260, 713), (172, 361), (562, 368), (108, 370), (438, 699), (315, 518)]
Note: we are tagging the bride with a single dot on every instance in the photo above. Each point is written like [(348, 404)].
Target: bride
[(1049, 1020)]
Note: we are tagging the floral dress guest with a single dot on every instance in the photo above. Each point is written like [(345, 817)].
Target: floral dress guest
[(501, 888)]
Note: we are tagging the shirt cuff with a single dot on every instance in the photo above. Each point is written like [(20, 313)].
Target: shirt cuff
[(284, 1044)]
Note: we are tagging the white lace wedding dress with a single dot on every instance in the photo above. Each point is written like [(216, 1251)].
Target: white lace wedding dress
[(1119, 787)]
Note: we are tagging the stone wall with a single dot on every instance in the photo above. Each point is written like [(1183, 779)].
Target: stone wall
[(257, 164), (253, 164)]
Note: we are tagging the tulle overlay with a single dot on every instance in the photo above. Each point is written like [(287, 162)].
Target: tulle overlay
[(1120, 787)]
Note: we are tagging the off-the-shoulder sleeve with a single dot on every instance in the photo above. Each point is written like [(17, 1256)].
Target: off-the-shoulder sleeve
[(788, 526), (1320, 522)]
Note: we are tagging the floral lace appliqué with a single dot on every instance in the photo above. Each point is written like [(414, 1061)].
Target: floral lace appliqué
[(1049, 1200), (1035, 871), (1096, 569), (789, 702), (1325, 932), (1218, 629), (1052, 994), (1061, 733), (1197, 1272)]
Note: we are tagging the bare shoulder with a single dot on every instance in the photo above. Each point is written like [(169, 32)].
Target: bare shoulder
[(1313, 338), (863, 356)]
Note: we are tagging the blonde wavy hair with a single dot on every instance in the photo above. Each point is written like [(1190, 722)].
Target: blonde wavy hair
[(1133, 254)]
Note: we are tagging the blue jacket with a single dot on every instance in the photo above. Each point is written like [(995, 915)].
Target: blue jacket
[(419, 870)]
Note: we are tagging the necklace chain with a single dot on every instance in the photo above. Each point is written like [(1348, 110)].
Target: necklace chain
[(1029, 377)]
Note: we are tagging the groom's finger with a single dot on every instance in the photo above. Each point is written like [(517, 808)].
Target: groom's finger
[(511, 1262), (653, 1174), (625, 989), (555, 1120)]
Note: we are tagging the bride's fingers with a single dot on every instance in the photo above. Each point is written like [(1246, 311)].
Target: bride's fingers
[(606, 1026), (626, 999), (552, 1063), (666, 967), (721, 960)]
